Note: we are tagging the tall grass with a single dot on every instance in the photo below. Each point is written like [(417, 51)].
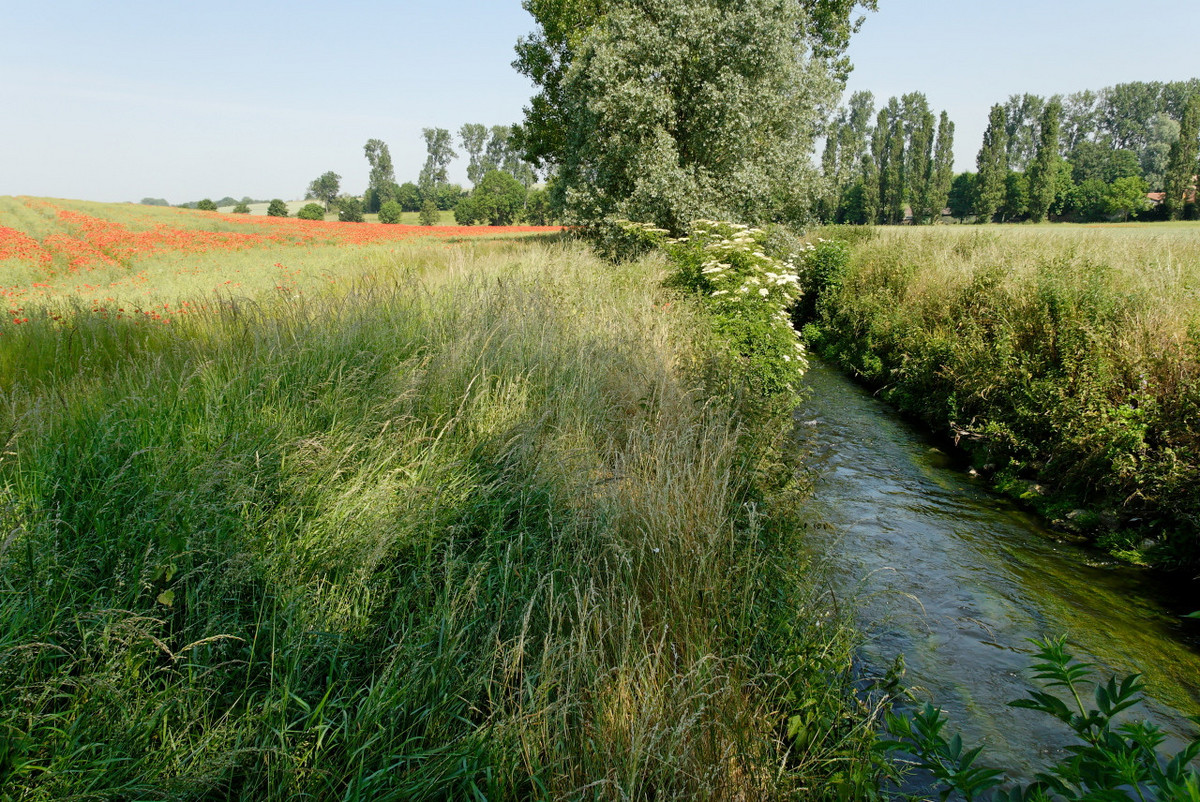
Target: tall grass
[(1066, 358), (469, 528)]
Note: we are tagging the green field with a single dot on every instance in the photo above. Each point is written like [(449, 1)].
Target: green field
[(463, 519)]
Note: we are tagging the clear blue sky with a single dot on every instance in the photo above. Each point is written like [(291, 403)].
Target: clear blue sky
[(119, 101)]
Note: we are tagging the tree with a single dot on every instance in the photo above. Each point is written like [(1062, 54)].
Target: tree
[(1181, 164), (439, 150), (429, 211), (1043, 173), (943, 163), (993, 166), (389, 212), (667, 112), (350, 209), (473, 138), (381, 184), (154, 202), (465, 213), (1023, 114), (1162, 133), (409, 197), (241, 208), (920, 170), (1126, 196), (325, 188), (311, 211), (893, 189), (1016, 197), (869, 199), (206, 205), (538, 211), (961, 198), (277, 208), (499, 198)]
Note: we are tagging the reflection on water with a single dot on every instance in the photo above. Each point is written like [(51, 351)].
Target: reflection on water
[(958, 579)]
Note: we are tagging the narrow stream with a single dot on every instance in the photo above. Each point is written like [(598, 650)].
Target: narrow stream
[(957, 579)]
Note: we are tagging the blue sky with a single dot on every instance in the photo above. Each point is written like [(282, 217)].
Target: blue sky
[(118, 101)]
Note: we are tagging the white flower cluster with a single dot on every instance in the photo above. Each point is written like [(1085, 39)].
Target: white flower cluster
[(738, 272)]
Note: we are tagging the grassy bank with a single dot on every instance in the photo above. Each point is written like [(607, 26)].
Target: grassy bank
[(465, 523), (1065, 359)]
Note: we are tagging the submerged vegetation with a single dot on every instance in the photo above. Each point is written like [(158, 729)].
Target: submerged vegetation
[(1066, 361)]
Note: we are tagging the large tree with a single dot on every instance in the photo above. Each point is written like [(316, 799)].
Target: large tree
[(943, 164), (325, 188), (473, 138), (1043, 173), (672, 110), (381, 184), (920, 168), (440, 151), (1181, 165), (992, 162)]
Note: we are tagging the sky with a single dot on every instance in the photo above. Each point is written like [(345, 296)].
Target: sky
[(130, 99)]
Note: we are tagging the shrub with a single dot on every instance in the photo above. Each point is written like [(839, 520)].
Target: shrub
[(277, 209), (206, 205), (350, 210), (241, 208), (465, 212), (499, 198), (389, 212), (429, 211), (311, 211), (537, 208)]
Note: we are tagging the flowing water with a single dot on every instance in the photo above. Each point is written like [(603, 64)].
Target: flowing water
[(957, 579)]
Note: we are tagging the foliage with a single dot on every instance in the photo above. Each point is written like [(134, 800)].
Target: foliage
[(446, 196), (708, 109), (1110, 761), (1043, 173), (992, 163), (429, 211), (241, 208), (390, 212), (277, 208), (1062, 360), (961, 198), (1182, 165), (154, 202), (1126, 196), (749, 295), (465, 212), (498, 200), (325, 188), (206, 205), (439, 150), (350, 209), (538, 209), (381, 184), (473, 138), (408, 195), (311, 211)]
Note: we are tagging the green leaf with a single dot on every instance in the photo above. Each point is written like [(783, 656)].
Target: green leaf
[(166, 598)]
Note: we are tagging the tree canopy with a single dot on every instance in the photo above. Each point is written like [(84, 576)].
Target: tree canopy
[(668, 111), (325, 188)]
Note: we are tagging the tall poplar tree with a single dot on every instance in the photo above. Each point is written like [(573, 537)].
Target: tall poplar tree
[(943, 164), (920, 169), (870, 190), (440, 152), (1043, 173), (381, 183), (893, 189), (473, 138), (879, 161), (992, 162), (1181, 164)]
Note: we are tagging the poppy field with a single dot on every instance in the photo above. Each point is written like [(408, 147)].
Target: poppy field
[(157, 263)]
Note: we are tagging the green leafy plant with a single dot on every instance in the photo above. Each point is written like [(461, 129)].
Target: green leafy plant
[(389, 212), (311, 211), (1111, 761), (277, 208)]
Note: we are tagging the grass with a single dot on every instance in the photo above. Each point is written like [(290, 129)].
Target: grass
[(1066, 358), (464, 523)]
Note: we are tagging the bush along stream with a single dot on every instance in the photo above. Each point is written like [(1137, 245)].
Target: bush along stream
[(1066, 364)]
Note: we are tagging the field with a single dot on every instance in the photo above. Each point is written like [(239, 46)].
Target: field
[(1066, 359), (445, 218), (308, 510)]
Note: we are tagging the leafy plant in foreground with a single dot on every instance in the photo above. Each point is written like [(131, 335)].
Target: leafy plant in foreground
[(1111, 762)]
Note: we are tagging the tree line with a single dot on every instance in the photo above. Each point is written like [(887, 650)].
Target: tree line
[(1086, 156), (502, 182)]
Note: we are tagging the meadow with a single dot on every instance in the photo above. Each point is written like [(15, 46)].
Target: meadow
[(1065, 359), (341, 511)]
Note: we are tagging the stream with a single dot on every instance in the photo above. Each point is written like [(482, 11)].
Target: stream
[(957, 579)]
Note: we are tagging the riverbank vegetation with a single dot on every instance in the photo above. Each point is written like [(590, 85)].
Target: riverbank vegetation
[(482, 519), (1065, 360)]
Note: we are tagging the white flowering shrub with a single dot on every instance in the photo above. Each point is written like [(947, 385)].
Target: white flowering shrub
[(750, 295)]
